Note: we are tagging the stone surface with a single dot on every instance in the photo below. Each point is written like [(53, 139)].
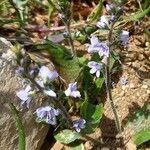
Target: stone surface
[(9, 83)]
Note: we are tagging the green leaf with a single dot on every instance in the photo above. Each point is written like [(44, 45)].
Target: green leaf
[(21, 9), (20, 127), (96, 13), (141, 119), (92, 114), (140, 14), (66, 136), (142, 136), (76, 146)]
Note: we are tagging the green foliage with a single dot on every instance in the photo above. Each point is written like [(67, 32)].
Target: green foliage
[(66, 136), (96, 13), (140, 123), (22, 141), (84, 33), (68, 66), (142, 136), (21, 9), (138, 15), (92, 114)]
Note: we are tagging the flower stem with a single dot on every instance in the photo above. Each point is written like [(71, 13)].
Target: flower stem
[(73, 52), (108, 83)]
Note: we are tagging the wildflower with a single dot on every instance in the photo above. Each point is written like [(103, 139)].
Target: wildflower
[(103, 22), (50, 93), (100, 47), (25, 95), (109, 7), (19, 70), (72, 90), (48, 113), (79, 124), (46, 74), (40, 83), (124, 37), (124, 81), (95, 67)]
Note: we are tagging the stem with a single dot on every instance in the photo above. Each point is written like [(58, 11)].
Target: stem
[(70, 39), (108, 83), (56, 102)]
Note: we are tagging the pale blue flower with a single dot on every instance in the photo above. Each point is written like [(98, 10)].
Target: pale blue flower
[(46, 74), (48, 113), (124, 81), (40, 83), (103, 22), (72, 90), (109, 7), (124, 37), (19, 70), (79, 124), (50, 93), (25, 95), (95, 67), (101, 48)]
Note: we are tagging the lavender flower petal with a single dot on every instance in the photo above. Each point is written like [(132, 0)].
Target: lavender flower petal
[(50, 93), (45, 73), (79, 124), (72, 90), (124, 37), (48, 113), (24, 95), (95, 67), (100, 47), (103, 22)]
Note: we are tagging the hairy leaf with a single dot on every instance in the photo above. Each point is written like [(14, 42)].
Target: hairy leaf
[(66, 136)]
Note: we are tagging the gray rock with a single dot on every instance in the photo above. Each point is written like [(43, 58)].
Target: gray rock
[(9, 83)]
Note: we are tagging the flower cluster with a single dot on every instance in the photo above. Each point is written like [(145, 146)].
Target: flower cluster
[(105, 21), (44, 78)]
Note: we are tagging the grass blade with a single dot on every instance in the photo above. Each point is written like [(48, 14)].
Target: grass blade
[(19, 126)]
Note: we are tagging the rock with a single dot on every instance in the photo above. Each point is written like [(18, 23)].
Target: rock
[(89, 145), (35, 133)]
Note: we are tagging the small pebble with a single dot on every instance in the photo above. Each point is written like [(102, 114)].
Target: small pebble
[(148, 91), (141, 57), (122, 94), (144, 86), (132, 86), (88, 145)]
